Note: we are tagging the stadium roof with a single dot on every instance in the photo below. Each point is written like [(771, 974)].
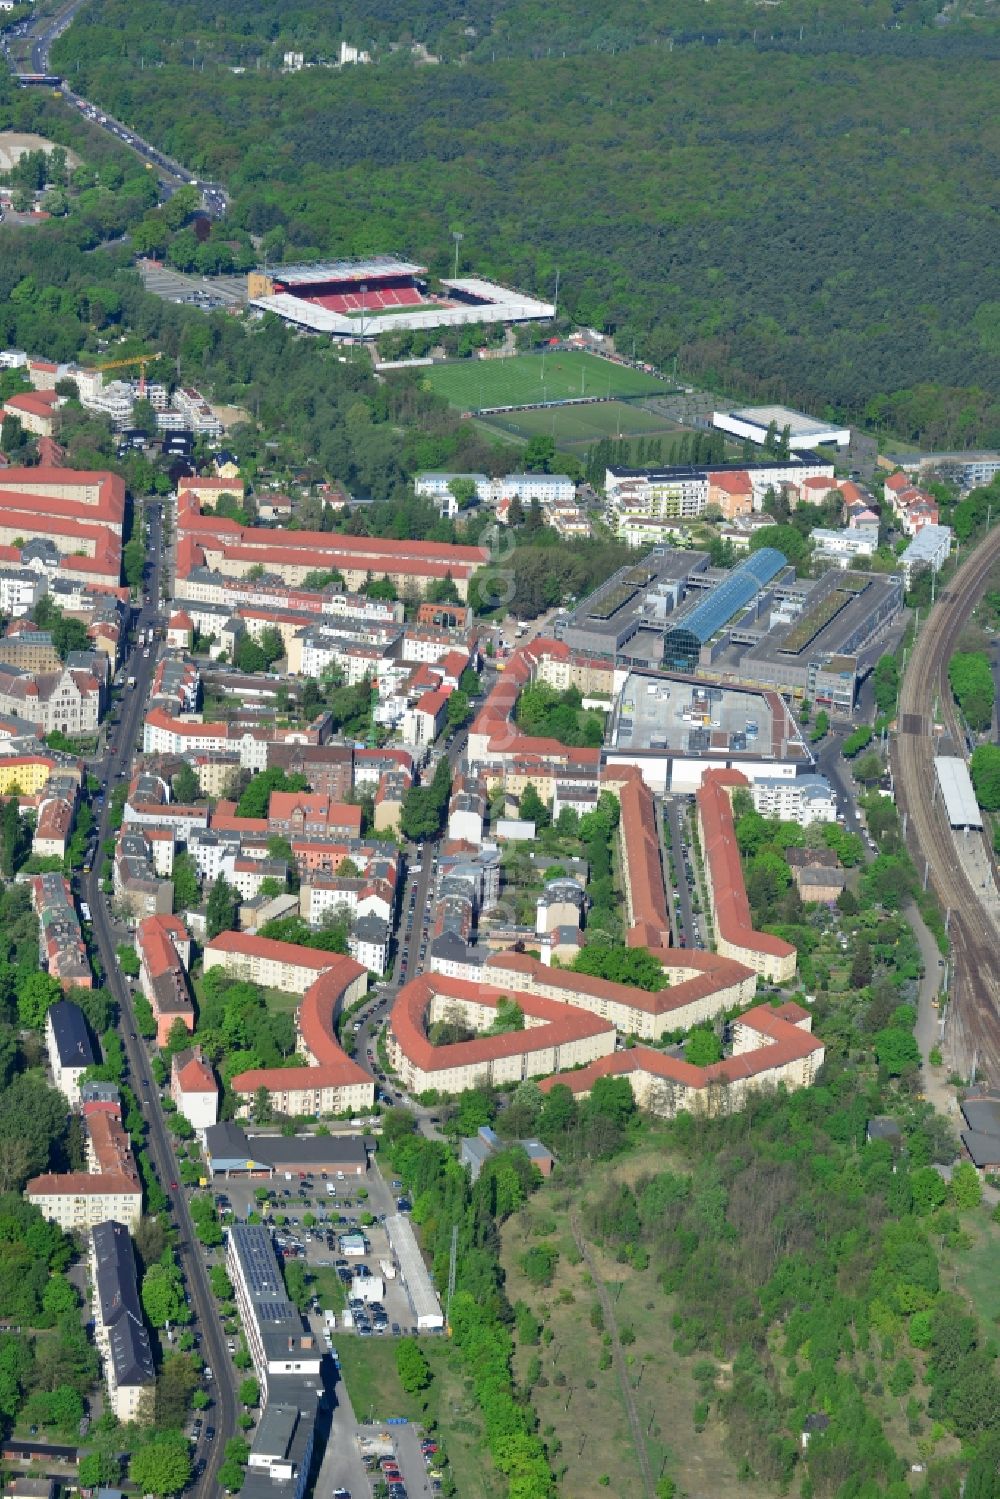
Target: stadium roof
[(956, 788), (745, 580), (307, 274), (502, 306)]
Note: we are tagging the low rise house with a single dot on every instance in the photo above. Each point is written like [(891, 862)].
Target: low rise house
[(193, 1088)]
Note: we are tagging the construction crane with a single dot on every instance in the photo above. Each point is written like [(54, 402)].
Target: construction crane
[(119, 364)]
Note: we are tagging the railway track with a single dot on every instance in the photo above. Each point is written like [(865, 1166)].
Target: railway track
[(973, 1023)]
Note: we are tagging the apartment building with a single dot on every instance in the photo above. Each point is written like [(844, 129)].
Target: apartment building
[(119, 1327), (109, 1188), (193, 1088), (805, 800), (274, 965), (771, 957), (164, 949), (772, 1047), (69, 1048)]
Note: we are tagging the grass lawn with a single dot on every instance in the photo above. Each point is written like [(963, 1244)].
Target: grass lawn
[(276, 1000), (584, 424), (328, 1286), (977, 1267), (524, 378)]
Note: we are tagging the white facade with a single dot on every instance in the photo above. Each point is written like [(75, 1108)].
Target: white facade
[(931, 547), (844, 547), (805, 800)]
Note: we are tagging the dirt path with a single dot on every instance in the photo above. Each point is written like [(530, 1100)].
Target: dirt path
[(617, 1352)]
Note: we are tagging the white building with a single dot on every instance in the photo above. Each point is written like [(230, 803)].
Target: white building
[(69, 1048), (277, 1339), (930, 547), (804, 432), (369, 943), (20, 590), (193, 1088), (844, 547), (805, 799)]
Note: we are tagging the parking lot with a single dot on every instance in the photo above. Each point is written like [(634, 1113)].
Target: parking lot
[(207, 292), (317, 1245)]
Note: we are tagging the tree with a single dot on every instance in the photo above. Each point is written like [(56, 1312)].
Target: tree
[(36, 993), (134, 561), (412, 1367), (177, 1382), (222, 910), (458, 709), (187, 890), (69, 635), (532, 808), (163, 1465), (98, 1469), (861, 966), (702, 1047), (464, 492), (162, 1296), (249, 1392), (186, 788), (896, 1050), (966, 1188), (885, 680), (985, 770)]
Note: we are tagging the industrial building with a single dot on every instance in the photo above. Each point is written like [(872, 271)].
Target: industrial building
[(804, 431), (756, 625)]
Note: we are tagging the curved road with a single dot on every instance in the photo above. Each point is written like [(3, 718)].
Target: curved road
[(116, 763), (40, 33), (973, 1024)]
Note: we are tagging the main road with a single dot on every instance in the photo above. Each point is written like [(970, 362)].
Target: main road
[(39, 33), (973, 1023), (121, 743)]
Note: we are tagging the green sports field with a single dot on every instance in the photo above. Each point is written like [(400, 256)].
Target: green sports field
[(471, 384), (570, 425)]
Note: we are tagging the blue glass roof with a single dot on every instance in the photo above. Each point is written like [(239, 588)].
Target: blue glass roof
[(745, 580)]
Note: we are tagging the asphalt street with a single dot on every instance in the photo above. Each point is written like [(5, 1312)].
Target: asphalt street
[(41, 32), (114, 765)]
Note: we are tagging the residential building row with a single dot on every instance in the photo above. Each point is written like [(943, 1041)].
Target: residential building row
[(329, 1082)]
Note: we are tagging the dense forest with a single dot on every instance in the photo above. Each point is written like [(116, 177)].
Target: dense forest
[(806, 220)]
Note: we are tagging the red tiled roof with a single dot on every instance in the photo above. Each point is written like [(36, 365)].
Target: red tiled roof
[(245, 944), (559, 1024), (722, 855), (737, 483), (712, 972), (320, 1003), (196, 1077), (787, 1044)]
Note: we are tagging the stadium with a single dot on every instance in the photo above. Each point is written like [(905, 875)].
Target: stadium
[(362, 299)]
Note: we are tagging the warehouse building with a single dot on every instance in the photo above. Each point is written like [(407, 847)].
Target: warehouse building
[(804, 432), (427, 1313)]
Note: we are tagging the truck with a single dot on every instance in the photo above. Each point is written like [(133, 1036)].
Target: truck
[(388, 1269), (130, 680)]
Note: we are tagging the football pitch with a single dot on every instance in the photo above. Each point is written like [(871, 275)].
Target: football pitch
[(572, 425), (523, 379)]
